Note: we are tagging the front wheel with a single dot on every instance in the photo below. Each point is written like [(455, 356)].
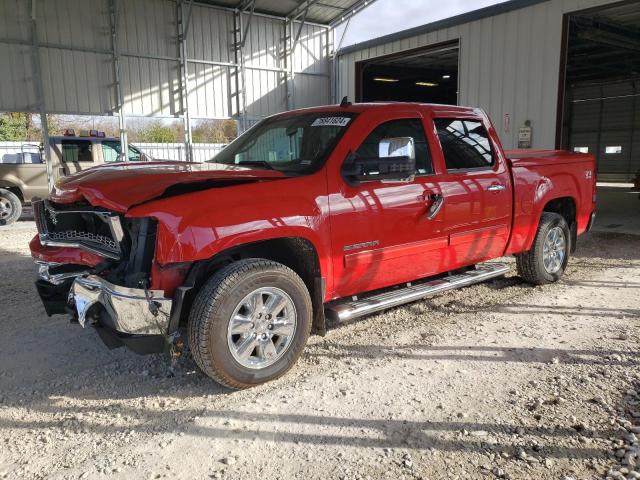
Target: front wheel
[(249, 323), (10, 207), (548, 257)]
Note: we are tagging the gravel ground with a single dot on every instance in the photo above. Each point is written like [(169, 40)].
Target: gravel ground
[(496, 380)]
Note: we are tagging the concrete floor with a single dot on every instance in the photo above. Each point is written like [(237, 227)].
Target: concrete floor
[(618, 208)]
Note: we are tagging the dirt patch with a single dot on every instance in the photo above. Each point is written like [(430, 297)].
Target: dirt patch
[(497, 380)]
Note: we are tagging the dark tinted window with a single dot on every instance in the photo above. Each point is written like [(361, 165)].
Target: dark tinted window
[(76, 151), (465, 144), (399, 128)]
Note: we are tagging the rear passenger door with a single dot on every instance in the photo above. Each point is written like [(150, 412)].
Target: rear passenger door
[(476, 187)]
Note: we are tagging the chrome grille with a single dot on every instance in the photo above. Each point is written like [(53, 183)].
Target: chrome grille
[(83, 227), (74, 236)]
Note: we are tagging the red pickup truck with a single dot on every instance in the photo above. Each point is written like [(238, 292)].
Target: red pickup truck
[(320, 214)]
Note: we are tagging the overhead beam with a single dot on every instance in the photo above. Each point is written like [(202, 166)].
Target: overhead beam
[(187, 21), (245, 33), (347, 13), (611, 40), (301, 8)]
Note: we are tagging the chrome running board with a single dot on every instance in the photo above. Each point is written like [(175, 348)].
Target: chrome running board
[(342, 310)]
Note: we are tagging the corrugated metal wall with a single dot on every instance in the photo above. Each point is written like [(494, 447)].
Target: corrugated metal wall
[(509, 64), (76, 60)]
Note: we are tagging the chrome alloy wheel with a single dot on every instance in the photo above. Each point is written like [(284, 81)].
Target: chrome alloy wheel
[(554, 250), (6, 209), (262, 327)]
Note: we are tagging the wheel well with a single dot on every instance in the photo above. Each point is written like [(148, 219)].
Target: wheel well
[(16, 191), (566, 207), (297, 253)]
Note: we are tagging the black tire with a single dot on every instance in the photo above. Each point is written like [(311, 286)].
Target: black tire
[(531, 264), (212, 310), (10, 207)]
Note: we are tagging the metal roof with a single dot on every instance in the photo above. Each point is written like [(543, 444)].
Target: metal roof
[(326, 12), (472, 16)]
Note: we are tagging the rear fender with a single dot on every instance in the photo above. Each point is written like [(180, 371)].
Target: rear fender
[(531, 199)]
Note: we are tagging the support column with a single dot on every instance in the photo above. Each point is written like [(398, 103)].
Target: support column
[(39, 91), (336, 84), (183, 27), (291, 40), (289, 65), (240, 41), (122, 121)]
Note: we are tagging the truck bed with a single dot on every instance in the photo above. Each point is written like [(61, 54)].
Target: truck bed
[(528, 157), (536, 173)]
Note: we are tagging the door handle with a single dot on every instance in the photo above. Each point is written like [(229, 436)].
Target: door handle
[(436, 205), (496, 188)]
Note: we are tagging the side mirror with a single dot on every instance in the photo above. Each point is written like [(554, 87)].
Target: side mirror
[(396, 161)]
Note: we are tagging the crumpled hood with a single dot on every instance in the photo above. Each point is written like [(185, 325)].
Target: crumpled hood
[(121, 186)]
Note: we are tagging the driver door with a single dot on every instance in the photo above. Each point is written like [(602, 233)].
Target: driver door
[(381, 233)]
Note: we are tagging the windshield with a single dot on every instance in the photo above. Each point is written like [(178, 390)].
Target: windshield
[(292, 144)]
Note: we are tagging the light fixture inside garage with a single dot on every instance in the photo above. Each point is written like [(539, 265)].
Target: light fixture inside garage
[(385, 79), (426, 84), (446, 77)]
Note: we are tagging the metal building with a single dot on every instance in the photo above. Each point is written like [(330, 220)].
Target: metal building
[(243, 59), (568, 68)]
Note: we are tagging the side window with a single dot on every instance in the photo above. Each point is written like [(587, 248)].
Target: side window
[(134, 154), (76, 151), (399, 128), (110, 151), (465, 144)]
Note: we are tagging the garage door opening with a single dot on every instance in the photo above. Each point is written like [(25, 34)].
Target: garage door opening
[(422, 75), (600, 108)]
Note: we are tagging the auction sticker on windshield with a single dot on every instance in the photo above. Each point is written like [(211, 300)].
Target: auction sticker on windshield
[(331, 122)]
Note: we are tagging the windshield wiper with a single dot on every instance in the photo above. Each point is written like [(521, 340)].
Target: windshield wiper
[(260, 163)]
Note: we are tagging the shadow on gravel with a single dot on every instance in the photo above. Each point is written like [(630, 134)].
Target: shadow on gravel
[(445, 436), (385, 433), (482, 353), (603, 283)]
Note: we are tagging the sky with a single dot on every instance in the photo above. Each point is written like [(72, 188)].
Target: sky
[(388, 16)]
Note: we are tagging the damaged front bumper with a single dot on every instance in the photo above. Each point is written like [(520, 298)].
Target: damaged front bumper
[(129, 310), (137, 318)]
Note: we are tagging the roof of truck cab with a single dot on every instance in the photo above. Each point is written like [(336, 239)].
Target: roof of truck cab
[(390, 107), (78, 137)]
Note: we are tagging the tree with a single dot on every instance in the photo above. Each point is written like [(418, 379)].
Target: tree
[(158, 133), (14, 126), (214, 131)]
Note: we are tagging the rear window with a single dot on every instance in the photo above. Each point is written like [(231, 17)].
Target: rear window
[(76, 151), (465, 144)]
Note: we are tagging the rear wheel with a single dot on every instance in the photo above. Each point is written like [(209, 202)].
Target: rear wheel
[(10, 207), (250, 323), (548, 257)]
